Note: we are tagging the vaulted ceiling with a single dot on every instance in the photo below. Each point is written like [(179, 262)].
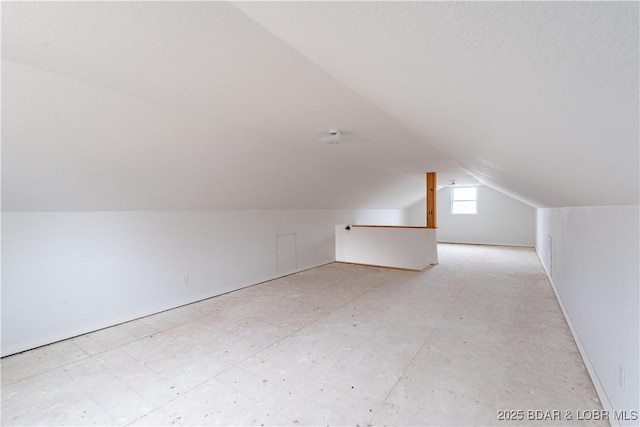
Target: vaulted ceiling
[(211, 105)]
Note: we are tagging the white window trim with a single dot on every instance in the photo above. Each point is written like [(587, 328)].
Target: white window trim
[(453, 200)]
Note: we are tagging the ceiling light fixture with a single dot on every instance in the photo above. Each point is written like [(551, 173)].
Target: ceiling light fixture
[(335, 137)]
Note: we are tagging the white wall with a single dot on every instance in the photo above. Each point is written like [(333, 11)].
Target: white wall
[(68, 273), (399, 247), (380, 217), (592, 256), (501, 220), (416, 214)]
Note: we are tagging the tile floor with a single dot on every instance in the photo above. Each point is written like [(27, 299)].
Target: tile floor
[(335, 345)]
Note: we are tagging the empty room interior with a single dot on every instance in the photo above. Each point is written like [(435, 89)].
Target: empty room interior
[(320, 213)]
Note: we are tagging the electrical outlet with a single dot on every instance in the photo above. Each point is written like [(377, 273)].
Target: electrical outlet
[(186, 279), (621, 376)]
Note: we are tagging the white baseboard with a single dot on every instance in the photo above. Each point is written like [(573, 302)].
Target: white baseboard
[(602, 394)]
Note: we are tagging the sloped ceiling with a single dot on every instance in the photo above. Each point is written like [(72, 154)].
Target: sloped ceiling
[(127, 106), (537, 99)]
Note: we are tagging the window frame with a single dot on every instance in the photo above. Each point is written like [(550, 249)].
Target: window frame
[(454, 200)]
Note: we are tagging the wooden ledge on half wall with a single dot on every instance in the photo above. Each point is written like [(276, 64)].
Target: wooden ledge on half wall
[(392, 226)]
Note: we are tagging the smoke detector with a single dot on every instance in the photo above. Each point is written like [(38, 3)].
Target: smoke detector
[(334, 137)]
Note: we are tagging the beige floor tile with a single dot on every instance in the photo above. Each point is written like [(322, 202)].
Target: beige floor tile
[(40, 360), (137, 328), (153, 387), (51, 399), (167, 319), (215, 403), (104, 340), (121, 402), (156, 418), (251, 327)]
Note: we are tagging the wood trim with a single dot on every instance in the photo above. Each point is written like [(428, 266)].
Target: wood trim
[(378, 266), (389, 226), (431, 200)]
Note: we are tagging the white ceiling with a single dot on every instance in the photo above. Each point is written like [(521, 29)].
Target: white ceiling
[(127, 106)]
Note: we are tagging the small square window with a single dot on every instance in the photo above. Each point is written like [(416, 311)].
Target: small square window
[(464, 200)]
